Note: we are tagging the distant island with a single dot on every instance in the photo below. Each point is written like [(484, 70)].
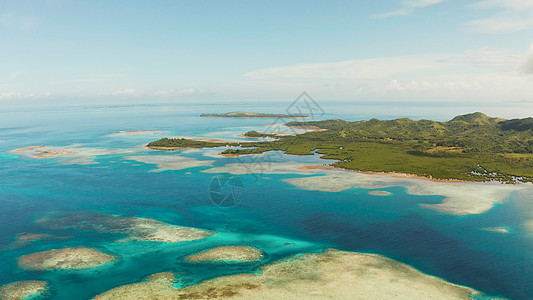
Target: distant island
[(471, 147), (240, 114)]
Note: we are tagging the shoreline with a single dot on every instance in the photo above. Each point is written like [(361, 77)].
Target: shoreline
[(248, 137), (257, 117), (391, 174), (133, 132), (310, 128), (169, 148)]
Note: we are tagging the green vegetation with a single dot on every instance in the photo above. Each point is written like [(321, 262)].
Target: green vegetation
[(255, 134), (469, 147), (187, 143), (518, 124), (240, 114)]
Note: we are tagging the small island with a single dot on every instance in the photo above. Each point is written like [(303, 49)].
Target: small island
[(240, 114), (471, 147)]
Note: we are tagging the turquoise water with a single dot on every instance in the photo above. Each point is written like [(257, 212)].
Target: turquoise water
[(274, 216)]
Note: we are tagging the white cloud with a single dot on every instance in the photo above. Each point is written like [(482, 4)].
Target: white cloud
[(408, 7), (10, 95), (507, 4), (93, 78), (488, 58), (14, 95), (351, 69), (160, 93), (14, 75), (511, 16), (527, 65), (180, 92), (126, 92), (475, 74)]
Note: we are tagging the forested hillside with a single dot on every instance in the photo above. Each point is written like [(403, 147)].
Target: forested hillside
[(468, 147)]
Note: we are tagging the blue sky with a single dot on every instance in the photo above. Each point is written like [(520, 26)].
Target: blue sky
[(161, 51)]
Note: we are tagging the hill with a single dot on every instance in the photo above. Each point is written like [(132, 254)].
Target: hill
[(471, 147)]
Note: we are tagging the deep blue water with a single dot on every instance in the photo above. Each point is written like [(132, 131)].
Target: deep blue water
[(274, 216)]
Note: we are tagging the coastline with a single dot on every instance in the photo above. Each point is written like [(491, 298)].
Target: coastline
[(391, 174), (168, 148), (309, 128), (256, 117)]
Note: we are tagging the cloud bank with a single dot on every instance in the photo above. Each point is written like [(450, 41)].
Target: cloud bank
[(475, 74), (510, 16), (527, 66), (408, 7)]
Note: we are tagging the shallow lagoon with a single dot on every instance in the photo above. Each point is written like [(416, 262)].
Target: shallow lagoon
[(273, 215)]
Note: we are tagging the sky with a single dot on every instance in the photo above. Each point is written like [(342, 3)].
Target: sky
[(83, 52)]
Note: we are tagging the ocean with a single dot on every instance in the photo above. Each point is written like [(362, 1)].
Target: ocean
[(281, 219)]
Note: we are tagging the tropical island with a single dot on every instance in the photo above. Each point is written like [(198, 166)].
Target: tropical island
[(471, 147), (240, 114)]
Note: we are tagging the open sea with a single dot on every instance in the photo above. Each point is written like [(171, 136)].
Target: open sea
[(272, 215)]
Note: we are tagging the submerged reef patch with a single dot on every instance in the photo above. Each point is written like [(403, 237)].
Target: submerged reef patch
[(170, 162), (24, 239), (461, 198), (67, 258), (333, 275), (379, 193), (228, 254), (21, 290), (140, 229)]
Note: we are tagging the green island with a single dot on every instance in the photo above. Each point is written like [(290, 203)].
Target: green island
[(240, 114), (471, 147)]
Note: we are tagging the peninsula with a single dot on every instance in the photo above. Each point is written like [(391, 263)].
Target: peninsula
[(240, 114), (471, 147)]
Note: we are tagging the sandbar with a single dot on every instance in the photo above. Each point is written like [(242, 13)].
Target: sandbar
[(529, 225), (228, 254), (379, 193), (135, 132), (461, 198), (330, 275), (524, 203), (170, 162), (71, 154), (30, 148), (46, 151), (504, 230), (21, 290), (248, 137), (139, 229), (66, 258), (259, 164)]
